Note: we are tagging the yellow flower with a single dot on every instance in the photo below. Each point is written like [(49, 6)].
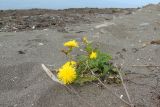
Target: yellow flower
[(71, 44), (67, 73), (85, 40), (93, 55)]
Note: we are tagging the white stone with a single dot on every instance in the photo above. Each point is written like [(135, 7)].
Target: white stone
[(40, 44)]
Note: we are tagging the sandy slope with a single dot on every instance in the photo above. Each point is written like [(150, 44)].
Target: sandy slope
[(24, 84)]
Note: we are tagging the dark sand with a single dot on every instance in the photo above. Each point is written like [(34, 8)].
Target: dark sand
[(23, 83)]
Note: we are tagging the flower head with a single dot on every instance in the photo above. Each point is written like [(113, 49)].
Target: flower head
[(93, 55), (71, 44), (67, 73)]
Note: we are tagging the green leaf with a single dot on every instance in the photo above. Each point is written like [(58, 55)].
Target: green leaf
[(89, 48), (82, 80)]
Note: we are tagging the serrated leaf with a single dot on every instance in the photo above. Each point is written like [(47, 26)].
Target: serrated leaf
[(82, 80)]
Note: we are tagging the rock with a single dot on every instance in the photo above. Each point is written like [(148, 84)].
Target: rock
[(134, 50), (21, 52), (40, 44), (33, 27)]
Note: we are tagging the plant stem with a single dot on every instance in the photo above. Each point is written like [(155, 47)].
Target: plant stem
[(125, 88)]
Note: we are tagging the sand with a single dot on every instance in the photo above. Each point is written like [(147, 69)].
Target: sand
[(23, 83)]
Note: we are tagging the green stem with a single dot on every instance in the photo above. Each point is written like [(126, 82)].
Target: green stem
[(69, 54)]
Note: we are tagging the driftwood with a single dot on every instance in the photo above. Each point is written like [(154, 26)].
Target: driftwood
[(50, 74)]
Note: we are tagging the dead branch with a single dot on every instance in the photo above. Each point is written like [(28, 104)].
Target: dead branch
[(145, 65), (125, 88)]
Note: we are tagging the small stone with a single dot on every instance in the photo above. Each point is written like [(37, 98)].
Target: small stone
[(21, 52), (40, 44), (134, 50), (121, 64), (124, 50), (15, 28), (121, 96), (33, 27), (144, 45)]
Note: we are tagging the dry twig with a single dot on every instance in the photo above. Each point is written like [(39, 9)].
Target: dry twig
[(145, 65), (125, 88)]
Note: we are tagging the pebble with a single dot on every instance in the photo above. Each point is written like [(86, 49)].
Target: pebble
[(144, 45), (33, 27), (40, 44), (21, 52), (134, 50), (121, 96), (124, 50)]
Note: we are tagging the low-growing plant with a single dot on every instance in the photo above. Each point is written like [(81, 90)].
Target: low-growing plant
[(87, 67), (92, 65)]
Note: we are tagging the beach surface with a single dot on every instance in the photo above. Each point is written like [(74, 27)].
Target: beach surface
[(130, 37)]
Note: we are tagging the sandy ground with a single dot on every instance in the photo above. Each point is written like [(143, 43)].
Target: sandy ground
[(23, 83), (38, 19)]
